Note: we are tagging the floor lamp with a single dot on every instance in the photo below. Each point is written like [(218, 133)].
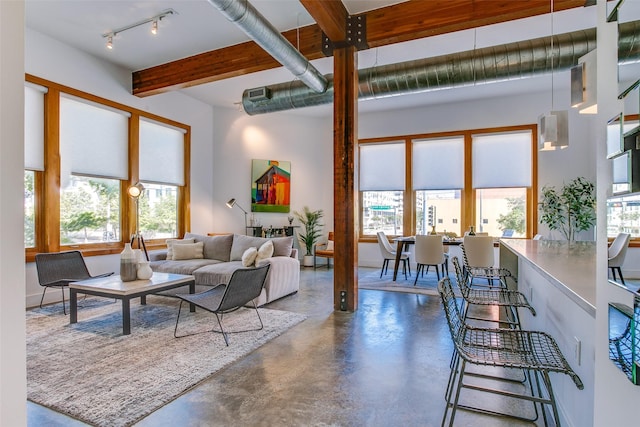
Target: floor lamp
[(135, 192), (231, 203)]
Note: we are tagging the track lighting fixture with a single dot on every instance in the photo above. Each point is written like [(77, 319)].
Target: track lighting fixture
[(154, 26)]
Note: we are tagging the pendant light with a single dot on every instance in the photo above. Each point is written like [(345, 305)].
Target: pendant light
[(553, 128)]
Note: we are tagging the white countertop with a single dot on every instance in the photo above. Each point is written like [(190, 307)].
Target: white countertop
[(570, 267)]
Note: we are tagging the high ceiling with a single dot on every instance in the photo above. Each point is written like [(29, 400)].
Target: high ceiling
[(198, 27)]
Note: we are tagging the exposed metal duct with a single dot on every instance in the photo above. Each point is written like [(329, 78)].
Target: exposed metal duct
[(256, 26), (506, 62)]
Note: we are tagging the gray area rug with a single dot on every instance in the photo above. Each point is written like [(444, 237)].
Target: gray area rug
[(91, 372), (427, 284)]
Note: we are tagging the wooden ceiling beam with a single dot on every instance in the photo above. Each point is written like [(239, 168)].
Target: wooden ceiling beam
[(393, 24), (331, 17)]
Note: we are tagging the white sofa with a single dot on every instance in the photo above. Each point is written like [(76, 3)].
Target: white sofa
[(222, 255)]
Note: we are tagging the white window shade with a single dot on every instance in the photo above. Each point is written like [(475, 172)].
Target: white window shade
[(438, 164), (502, 160), (93, 140), (161, 153), (34, 127), (382, 167)]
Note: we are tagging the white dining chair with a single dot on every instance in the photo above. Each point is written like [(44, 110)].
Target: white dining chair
[(388, 253), (617, 253), (479, 260), (430, 252)]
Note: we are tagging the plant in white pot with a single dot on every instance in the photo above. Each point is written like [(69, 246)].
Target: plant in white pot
[(570, 210), (310, 221)]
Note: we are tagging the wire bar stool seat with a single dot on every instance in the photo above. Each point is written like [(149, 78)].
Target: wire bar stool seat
[(535, 352)]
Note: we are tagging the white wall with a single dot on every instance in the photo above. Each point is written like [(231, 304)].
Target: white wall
[(238, 138), (13, 378), (49, 59)]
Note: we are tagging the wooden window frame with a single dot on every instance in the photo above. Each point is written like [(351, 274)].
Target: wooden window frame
[(47, 183), (468, 193)]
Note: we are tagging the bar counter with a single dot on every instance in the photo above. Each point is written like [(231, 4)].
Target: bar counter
[(559, 281), (570, 267)]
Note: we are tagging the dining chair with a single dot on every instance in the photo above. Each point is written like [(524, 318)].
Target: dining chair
[(430, 252), (388, 253), (617, 253)]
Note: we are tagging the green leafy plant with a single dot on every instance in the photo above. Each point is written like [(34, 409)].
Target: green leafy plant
[(569, 210), (310, 220)]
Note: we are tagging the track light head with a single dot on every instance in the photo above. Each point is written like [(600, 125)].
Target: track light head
[(154, 27), (110, 42)]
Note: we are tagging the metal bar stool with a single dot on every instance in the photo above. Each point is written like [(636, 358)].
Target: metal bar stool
[(504, 298), (535, 352), (477, 252)]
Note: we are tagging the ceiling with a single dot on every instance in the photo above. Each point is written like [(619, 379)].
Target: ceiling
[(197, 27)]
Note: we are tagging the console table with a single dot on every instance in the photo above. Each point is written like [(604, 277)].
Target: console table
[(271, 231)]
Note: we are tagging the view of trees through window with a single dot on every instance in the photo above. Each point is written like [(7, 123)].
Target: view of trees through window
[(90, 210), (29, 210), (501, 211), (159, 211)]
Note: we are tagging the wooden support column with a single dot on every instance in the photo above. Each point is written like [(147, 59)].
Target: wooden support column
[(345, 199)]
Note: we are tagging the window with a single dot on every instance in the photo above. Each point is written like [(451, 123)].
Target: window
[(34, 156), (382, 187), (91, 157), (501, 176), (438, 188), (162, 172), (449, 181)]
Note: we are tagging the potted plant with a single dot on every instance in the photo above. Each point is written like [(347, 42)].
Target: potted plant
[(570, 210), (310, 221)]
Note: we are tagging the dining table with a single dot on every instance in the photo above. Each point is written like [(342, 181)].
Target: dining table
[(404, 241)]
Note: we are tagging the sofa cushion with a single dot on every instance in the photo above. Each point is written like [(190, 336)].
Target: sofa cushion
[(281, 245), (265, 251), (216, 274), (215, 247), (187, 266), (249, 257), (188, 251), (171, 242)]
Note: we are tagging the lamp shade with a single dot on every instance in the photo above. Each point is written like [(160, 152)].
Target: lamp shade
[(583, 84), (135, 190), (231, 203), (553, 130)]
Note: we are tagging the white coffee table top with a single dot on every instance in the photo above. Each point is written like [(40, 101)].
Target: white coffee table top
[(113, 284)]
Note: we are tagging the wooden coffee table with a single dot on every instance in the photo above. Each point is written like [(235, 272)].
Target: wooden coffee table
[(113, 287)]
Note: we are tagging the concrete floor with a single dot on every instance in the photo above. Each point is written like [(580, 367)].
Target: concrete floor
[(387, 364)]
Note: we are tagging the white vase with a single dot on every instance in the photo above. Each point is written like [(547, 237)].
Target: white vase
[(307, 261), (144, 270), (128, 264)]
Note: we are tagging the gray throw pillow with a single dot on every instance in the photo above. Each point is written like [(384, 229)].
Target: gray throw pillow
[(215, 247)]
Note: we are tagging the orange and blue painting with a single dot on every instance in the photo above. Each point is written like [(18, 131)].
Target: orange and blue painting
[(270, 185)]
